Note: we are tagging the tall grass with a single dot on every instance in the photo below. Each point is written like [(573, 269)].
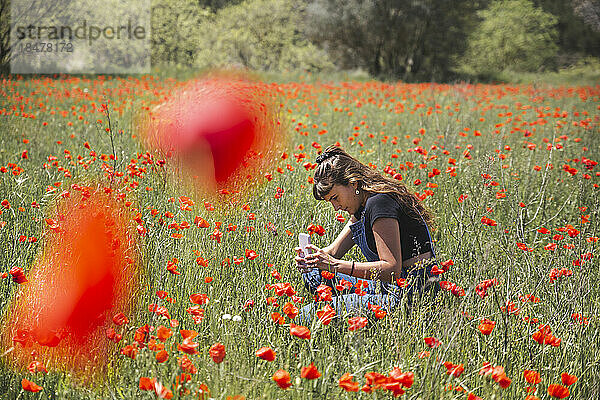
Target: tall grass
[(483, 127)]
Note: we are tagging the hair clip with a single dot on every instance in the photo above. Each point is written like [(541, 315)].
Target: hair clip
[(323, 157)]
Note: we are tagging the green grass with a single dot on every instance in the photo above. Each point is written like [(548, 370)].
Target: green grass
[(552, 199)]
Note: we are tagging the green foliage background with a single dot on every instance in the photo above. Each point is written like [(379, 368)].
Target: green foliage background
[(513, 34), (432, 40)]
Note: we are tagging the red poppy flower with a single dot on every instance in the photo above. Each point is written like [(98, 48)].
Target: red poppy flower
[(17, 274), (52, 224), (251, 254), (378, 311), (326, 314), (199, 298), (375, 379), (486, 326), (275, 274), (481, 288), (277, 318), (172, 267), (188, 346), (488, 221), (406, 379), (162, 356), (532, 377), (141, 334), (310, 372), (282, 378), (217, 352), (30, 386), (347, 383), (300, 331), (324, 293), (187, 365), (265, 353), (357, 323), (290, 310), (318, 229), (146, 383), (37, 366), (201, 222), (327, 275), (567, 379), (432, 342), (453, 288), (454, 370), (543, 336), (558, 391), (503, 381), (130, 351)]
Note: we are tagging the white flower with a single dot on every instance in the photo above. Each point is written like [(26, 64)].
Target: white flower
[(236, 318), (226, 316)]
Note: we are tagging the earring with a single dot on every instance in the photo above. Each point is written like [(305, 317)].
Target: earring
[(357, 192)]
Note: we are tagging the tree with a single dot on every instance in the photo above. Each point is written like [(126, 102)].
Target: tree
[(260, 35), (578, 27), (176, 30), (392, 38), (514, 35), (589, 11), (88, 36), (36, 10)]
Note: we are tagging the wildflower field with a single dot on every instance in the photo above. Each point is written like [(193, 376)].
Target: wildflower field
[(208, 306)]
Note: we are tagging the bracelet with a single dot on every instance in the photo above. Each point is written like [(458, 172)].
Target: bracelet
[(352, 271)]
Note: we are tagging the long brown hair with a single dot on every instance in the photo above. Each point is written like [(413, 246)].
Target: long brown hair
[(338, 167)]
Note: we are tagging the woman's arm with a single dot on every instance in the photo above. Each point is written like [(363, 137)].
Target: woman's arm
[(343, 242), (387, 239)]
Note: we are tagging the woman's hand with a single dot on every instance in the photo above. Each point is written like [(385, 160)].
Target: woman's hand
[(319, 258), (300, 260)]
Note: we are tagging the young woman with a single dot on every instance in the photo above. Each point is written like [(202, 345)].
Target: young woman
[(389, 225)]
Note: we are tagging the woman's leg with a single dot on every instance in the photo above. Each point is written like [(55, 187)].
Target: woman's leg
[(349, 305), (312, 279), (340, 283)]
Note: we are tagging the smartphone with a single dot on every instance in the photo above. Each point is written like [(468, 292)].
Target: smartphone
[(303, 242)]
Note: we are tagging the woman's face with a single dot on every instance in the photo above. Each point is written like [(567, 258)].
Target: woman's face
[(344, 197)]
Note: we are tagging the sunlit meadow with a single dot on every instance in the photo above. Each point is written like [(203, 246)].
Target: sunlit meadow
[(510, 173)]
